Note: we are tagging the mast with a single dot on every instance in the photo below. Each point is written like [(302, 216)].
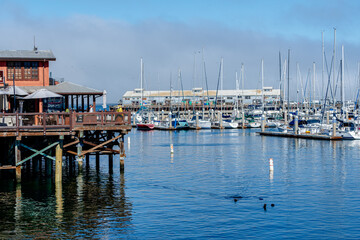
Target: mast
[(262, 85), (313, 85), (288, 85), (242, 87), (323, 66), (280, 79), (342, 78), (237, 90), (297, 85), (334, 61), (221, 82), (141, 81)]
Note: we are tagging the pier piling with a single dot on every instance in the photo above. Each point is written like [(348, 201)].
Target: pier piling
[(17, 159), (122, 153), (58, 159)]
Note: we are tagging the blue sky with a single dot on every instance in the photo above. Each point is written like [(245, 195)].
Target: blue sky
[(86, 36)]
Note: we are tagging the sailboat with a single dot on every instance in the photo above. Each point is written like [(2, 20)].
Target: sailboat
[(143, 115)]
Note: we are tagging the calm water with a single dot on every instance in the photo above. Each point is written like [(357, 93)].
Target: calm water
[(190, 195)]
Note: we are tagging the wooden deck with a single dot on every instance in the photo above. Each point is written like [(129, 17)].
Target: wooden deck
[(62, 123)]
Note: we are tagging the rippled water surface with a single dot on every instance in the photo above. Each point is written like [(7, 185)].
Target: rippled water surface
[(214, 186)]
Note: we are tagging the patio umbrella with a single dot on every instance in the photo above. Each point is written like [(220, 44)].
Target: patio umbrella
[(42, 93), (18, 91), (104, 100)]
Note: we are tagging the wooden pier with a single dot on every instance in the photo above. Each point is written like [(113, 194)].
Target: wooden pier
[(29, 137), (305, 136)]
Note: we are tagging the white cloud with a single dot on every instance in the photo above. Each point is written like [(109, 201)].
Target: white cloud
[(105, 54)]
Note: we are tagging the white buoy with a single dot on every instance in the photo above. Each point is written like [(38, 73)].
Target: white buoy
[(271, 164), (129, 140), (171, 148)]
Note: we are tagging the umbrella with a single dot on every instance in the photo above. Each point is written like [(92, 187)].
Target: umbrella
[(42, 93), (104, 100), (18, 91)]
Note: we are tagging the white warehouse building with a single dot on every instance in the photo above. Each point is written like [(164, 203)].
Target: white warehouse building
[(247, 96)]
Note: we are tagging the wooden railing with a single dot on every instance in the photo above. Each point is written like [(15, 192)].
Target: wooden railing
[(66, 121)]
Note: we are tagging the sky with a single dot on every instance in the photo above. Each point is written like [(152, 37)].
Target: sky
[(100, 43)]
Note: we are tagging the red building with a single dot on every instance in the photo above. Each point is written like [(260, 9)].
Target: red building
[(25, 67), (29, 70)]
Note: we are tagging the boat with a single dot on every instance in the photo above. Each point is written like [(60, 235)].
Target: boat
[(145, 126), (200, 124)]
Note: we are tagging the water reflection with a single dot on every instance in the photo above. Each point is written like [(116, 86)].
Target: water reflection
[(76, 208)]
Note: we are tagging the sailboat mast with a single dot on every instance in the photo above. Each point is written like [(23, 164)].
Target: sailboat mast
[(221, 82), (323, 66), (288, 85), (242, 87), (342, 77), (280, 79), (313, 85), (141, 81), (262, 85), (334, 61)]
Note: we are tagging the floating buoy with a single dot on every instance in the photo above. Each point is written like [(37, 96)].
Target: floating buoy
[(271, 164), (128, 140), (171, 148)]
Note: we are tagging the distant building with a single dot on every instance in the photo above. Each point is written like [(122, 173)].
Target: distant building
[(247, 96)]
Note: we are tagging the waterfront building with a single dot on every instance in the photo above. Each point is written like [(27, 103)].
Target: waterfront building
[(29, 71), (196, 95)]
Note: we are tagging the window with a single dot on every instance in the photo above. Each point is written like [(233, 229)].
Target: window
[(34, 70), (23, 70)]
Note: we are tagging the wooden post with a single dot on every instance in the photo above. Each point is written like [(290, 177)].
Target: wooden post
[(66, 102), (109, 136), (82, 103), (80, 158), (58, 161), (48, 166), (122, 153), (77, 103), (97, 161), (72, 102), (97, 155), (87, 157), (111, 163), (35, 164), (59, 200), (18, 159), (88, 103), (94, 103)]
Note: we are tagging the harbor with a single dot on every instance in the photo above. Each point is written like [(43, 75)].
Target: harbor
[(312, 182), (179, 120)]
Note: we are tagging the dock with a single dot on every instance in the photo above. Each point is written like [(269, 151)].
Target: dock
[(304, 136), (29, 138)]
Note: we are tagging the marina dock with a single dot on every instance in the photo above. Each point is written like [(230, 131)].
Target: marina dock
[(304, 136)]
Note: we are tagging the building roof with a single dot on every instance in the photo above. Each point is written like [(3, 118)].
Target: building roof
[(27, 55), (65, 88), (268, 91)]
